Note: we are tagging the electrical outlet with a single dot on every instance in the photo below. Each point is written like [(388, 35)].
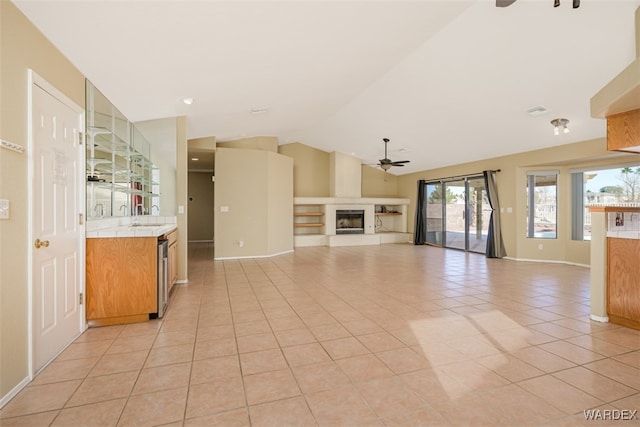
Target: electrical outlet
[(4, 209), (241, 243), (540, 246)]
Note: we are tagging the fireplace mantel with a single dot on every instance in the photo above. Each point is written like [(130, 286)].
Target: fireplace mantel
[(385, 221)]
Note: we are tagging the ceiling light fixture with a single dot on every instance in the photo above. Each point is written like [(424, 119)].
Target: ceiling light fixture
[(560, 123), (195, 159), (576, 3), (188, 101)]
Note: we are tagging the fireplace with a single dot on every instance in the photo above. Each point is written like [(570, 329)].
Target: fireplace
[(349, 221)]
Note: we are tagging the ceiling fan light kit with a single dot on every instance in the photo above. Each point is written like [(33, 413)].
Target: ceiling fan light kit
[(386, 163)]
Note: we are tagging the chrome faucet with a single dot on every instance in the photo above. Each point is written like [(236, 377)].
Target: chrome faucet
[(95, 210), (136, 219), (157, 207)]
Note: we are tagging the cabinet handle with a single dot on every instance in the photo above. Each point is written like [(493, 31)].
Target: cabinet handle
[(41, 243)]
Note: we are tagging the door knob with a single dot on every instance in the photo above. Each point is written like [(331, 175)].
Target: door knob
[(41, 243)]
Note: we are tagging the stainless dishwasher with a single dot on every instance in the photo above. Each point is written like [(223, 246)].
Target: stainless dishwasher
[(163, 275)]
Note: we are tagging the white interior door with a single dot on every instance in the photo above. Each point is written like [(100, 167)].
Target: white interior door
[(56, 202)]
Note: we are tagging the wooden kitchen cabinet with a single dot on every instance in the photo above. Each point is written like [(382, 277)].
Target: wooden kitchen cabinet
[(623, 281), (121, 279), (623, 131), (173, 257)]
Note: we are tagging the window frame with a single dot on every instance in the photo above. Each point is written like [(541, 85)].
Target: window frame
[(531, 201)]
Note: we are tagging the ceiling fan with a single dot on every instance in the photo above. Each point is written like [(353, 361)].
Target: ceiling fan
[(386, 163), (556, 3)]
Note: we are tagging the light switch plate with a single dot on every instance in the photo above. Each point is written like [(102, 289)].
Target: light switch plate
[(224, 208), (4, 209)]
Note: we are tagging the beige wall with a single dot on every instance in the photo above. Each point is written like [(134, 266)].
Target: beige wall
[(310, 170), (201, 206), (378, 183), (345, 175), (253, 193), (311, 174), (512, 193), (279, 204), (182, 189), (21, 47), (267, 143)]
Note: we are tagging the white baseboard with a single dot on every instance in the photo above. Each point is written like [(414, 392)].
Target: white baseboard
[(599, 318), (14, 391), (252, 257), (551, 261)]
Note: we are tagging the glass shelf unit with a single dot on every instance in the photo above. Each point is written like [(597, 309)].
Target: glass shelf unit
[(119, 172)]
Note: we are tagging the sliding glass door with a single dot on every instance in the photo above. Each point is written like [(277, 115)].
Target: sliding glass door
[(435, 212), (455, 223), (458, 214), (478, 214)]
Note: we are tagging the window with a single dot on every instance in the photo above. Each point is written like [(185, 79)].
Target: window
[(541, 204), (601, 187)]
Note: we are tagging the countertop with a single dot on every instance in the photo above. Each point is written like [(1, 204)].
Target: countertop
[(143, 230)]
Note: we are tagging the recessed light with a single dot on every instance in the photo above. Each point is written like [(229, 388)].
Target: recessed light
[(195, 159), (188, 101)]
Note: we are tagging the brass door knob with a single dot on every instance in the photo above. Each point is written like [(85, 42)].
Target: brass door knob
[(41, 243)]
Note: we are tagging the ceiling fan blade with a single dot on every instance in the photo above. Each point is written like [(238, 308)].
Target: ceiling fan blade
[(399, 162), (504, 3)]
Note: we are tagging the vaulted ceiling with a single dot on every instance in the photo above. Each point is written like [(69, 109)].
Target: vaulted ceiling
[(446, 81)]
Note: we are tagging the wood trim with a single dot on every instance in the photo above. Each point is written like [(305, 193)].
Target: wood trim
[(624, 322), (308, 214), (310, 224), (109, 321), (614, 209)]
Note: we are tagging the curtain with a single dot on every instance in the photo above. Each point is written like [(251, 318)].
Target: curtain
[(420, 233), (495, 245)]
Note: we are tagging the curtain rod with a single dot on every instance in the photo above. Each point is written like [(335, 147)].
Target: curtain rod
[(451, 178)]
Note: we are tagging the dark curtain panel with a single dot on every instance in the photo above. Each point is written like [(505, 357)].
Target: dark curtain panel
[(420, 233), (495, 245)]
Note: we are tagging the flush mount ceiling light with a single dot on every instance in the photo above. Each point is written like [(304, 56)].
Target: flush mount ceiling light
[(195, 159), (188, 101), (560, 123)]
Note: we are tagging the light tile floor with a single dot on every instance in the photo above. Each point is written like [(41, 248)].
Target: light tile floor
[(395, 335)]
